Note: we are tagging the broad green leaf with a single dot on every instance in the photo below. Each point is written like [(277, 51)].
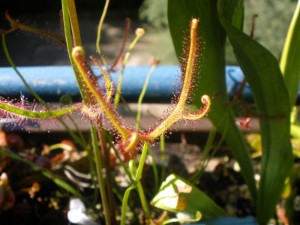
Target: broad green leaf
[(177, 195), (289, 62), (210, 78), (272, 101)]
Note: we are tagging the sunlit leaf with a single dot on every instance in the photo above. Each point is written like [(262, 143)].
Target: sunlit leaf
[(263, 74), (177, 195)]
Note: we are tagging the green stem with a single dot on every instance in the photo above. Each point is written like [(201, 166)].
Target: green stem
[(39, 114), (155, 171), (74, 23), (126, 58), (138, 177), (162, 156), (69, 13), (125, 204), (100, 177), (99, 31), (137, 184), (123, 165), (109, 185), (141, 97), (69, 42)]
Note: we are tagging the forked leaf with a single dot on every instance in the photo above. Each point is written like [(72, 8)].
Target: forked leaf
[(210, 78)]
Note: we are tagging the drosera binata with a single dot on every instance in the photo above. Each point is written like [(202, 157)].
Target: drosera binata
[(129, 139)]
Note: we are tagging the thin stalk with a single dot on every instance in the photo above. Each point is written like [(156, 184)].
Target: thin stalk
[(100, 25), (28, 113), (100, 177), (125, 204), (143, 199), (155, 172), (162, 156), (119, 59), (138, 34), (93, 172), (84, 91), (109, 185), (127, 172), (107, 78), (136, 184), (142, 95), (138, 177), (74, 23), (69, 42)]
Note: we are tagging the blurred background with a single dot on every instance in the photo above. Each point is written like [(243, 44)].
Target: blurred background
[(28, 50)]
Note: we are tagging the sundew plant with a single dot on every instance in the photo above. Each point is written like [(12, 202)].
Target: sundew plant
[(98, 104)]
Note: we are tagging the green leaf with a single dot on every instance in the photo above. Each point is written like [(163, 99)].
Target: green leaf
[(272, 101), (210, 78), (177, 195), (289, 62)]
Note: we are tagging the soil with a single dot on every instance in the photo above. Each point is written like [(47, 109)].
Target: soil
[(221, 180)]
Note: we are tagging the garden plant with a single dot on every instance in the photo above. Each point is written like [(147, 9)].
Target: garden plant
[(201, 50)]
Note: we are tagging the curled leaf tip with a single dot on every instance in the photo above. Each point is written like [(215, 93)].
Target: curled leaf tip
[(205, 99), (78, 51), (139, 32), (194, 23)]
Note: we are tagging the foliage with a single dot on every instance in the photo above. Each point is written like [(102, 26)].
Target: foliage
[(272, 21), (202, 60), (97, 104), (273, 102), (154, 12)]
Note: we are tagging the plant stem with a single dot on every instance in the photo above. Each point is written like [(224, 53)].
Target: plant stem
[(125, 204), (99, 32), (74, 23), (141, 97), (100, 177), (138, 177), (109, 185), (109, 111), (17, 111), (139, 33)]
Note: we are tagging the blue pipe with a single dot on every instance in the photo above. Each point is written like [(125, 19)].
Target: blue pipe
[(53, 82)]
